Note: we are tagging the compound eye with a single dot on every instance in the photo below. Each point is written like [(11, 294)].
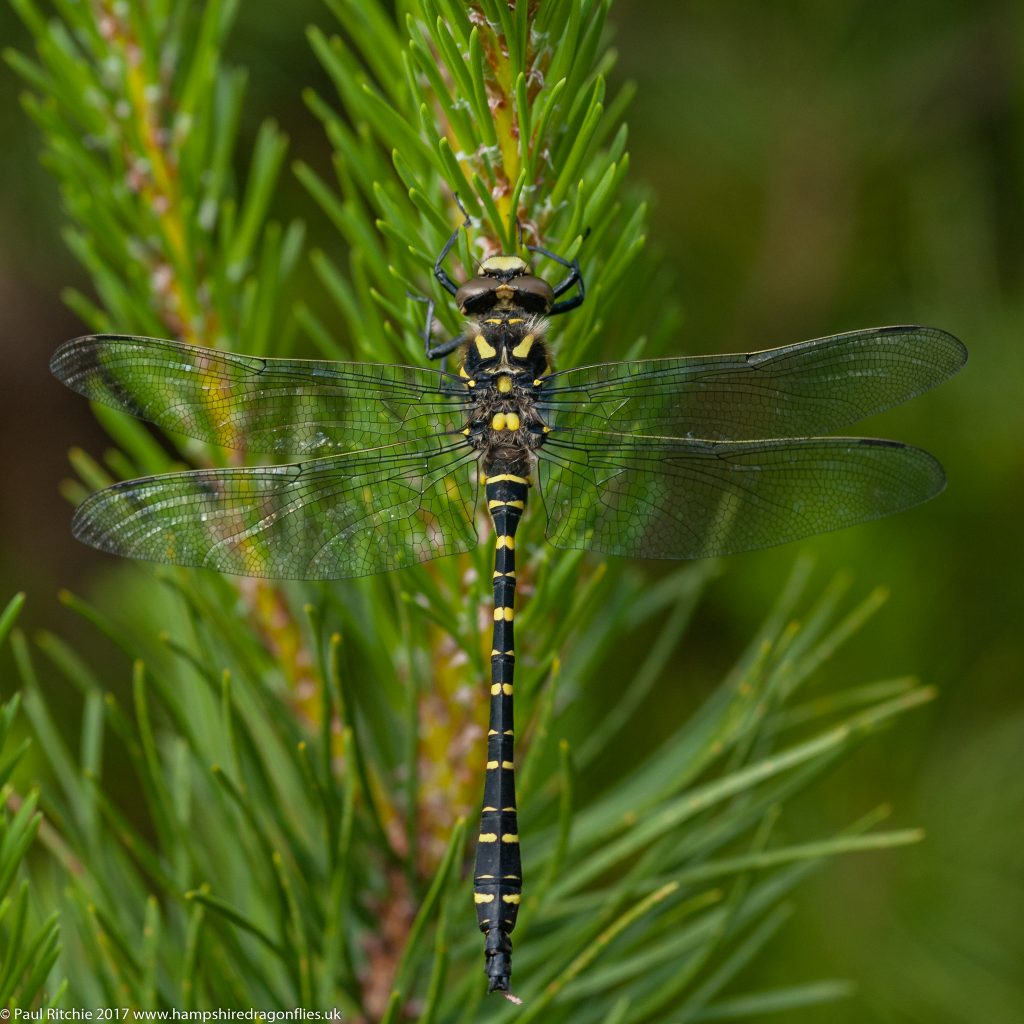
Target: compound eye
[(534, 294), (476, 295)]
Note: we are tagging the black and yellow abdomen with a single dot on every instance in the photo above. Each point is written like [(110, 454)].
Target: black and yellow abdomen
[(498, 873)]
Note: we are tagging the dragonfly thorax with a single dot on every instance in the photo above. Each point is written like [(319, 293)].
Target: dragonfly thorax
[(509, 342), (501, 365)]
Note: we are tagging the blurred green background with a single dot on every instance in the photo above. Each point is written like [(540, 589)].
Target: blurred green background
[(814, 168)]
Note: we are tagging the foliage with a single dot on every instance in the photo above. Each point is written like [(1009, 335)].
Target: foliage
[(28, 946), (304, 755)]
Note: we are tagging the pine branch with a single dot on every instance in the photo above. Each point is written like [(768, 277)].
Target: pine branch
[(307, 754)]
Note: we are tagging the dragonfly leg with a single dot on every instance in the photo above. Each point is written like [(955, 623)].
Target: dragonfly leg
[(445, 348), (575, 279), (439, 272)]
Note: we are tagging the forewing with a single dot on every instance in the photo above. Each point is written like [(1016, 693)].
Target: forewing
[(647, 497), (285, 407), (795, 391), (347, 515)]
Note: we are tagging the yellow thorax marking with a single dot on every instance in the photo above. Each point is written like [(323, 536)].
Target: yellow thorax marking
[(504, 384), (498, 421), (484, 347), (522, 350)]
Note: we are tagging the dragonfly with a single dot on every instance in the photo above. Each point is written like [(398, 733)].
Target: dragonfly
[(673, 458)]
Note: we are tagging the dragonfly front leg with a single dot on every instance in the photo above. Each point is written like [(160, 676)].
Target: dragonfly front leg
[(439, 272), (575, 279)]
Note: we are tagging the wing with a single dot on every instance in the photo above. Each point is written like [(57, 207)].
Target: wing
[(795, 391), (282, 406), (347, 515), (649, 497)]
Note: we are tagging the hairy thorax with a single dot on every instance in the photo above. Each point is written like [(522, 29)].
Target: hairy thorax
[(503, 363)]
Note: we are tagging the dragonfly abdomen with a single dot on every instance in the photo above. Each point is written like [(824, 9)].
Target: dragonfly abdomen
[(498, 872)]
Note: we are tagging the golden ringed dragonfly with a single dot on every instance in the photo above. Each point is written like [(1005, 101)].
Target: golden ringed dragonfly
[(687, 457)]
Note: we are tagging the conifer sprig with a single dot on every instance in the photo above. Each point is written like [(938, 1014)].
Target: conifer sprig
[(306, 767)]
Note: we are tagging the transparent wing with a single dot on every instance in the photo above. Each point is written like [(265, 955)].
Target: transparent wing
[(649, 497), (795, 391), (281, 406), (347, 515)]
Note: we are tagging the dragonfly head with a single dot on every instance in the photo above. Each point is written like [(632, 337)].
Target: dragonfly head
[(505, 282)]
